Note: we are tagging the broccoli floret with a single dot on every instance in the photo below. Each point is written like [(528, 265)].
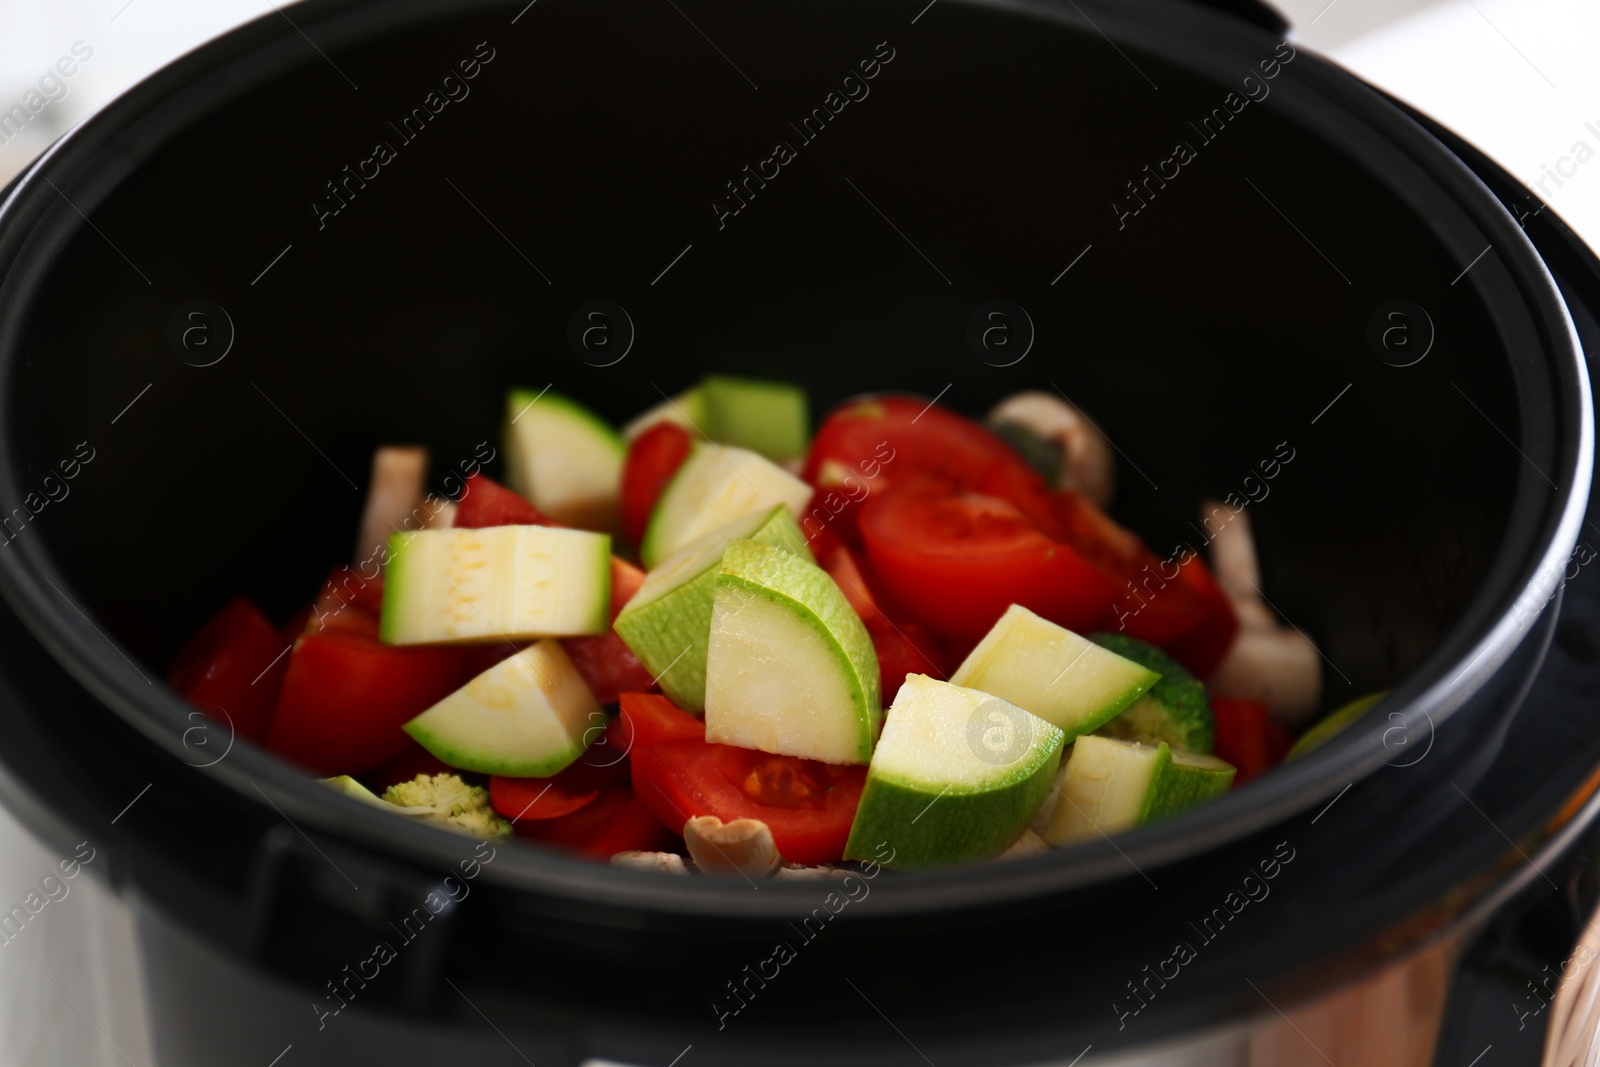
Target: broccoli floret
[(448, 801), (1174, 710)]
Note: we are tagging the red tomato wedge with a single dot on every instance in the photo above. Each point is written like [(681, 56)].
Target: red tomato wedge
[(1279, 742), (809, 806), (296, 625), (955, 563), (1150, 602), (625, 581), (479, 658), (347, 601), (346, 585), (876, 446), (608, 666), (1202, 648), (346, 695), (614, 822), (867, 445), (841, 564), (488, 503), (898, 437), (1248, 738), (1024, 488), (650, 719), (600, 768), (232, 668), (902, 648), (653, 458), (902, 652), (535, 798)]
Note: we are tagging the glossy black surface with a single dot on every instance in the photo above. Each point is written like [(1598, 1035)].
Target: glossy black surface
[(1201, 334)]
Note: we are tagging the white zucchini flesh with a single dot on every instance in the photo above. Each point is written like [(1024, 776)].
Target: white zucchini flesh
[(500, 583), (564, 458), (527, 716), (717, 485)]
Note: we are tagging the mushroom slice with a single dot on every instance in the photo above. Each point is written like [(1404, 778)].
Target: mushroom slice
[(443, 517), (393, 496), (1279, 667), (810, 874), (1233, 550), (1275, 664), (743, 846), (1090, 467), (660, 862)]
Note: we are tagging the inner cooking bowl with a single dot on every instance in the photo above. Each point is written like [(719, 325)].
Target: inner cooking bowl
[(314, 237), (378, 245)]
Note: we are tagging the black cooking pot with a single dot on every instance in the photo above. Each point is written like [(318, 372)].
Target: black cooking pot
[(354, 223)]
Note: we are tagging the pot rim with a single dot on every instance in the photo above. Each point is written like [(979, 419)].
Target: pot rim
[(1464, 661)]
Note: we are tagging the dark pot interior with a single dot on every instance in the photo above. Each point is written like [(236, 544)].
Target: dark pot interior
[(1200, 336)]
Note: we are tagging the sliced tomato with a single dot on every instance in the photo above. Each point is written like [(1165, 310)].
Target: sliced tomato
[(406, 767), (347, 601), (845, 570), (653, 458), (955, 563), (488, 503), (535, 798), (297, 625), (897, 436), (602, 764), (1023, 488), (232, 668), (1248, 738), (346, 618), (1279, 742), (479, 658), (346, 695), (902, 648), (876, 445), (809, 806), (651, 719), (1151, 603), (817, 520), (346, 585), (613, 822), (1202, 648), (822, 537), (873, 443), (902, 652), (608, 666), (625, 581)]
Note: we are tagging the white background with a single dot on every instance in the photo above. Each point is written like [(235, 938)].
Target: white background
[(1520, 78)]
